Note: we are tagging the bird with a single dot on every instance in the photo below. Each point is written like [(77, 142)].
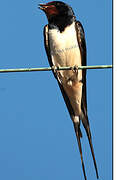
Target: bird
[(65, 45)]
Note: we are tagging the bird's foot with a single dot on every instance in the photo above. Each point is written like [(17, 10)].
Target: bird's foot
[(54, 68), (75, 70), (57, 73)]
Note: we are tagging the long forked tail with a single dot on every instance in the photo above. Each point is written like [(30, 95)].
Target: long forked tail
[(88, 132), (79, 135)]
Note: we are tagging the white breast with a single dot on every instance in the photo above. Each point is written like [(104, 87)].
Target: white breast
[(64, 48), (65, 52)]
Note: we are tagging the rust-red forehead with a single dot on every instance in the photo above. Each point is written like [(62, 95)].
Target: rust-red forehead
[(51, 10)]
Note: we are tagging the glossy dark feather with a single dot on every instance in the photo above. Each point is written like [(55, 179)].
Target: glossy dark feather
[(82, 45), (84, 116), (47, 48)]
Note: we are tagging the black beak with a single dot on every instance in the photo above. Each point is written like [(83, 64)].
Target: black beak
[(42, 6)]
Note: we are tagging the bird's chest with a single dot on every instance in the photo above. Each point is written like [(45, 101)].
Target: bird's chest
[(65, 50), (64, 47)]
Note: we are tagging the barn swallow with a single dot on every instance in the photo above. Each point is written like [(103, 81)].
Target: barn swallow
[(65, 45)]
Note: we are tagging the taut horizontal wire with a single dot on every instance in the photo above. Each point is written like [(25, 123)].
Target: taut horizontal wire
[(54, 68)]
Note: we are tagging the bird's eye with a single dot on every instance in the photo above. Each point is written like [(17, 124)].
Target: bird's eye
[(59, 4)]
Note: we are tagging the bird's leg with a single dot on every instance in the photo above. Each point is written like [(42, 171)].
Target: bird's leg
[(75, 70), (57, 73), (54, 68)]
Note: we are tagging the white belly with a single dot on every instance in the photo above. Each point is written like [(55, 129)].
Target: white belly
[(65, 52), (65, 49)]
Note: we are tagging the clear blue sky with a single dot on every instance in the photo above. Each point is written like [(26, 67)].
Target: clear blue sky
[(37, 139)]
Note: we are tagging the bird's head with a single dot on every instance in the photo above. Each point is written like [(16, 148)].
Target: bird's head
[(57, 10)]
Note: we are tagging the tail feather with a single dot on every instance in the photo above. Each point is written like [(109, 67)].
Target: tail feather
[(79, 135), (77, 129), (88, 132)]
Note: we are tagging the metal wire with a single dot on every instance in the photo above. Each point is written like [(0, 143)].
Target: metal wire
[(55, 68)]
